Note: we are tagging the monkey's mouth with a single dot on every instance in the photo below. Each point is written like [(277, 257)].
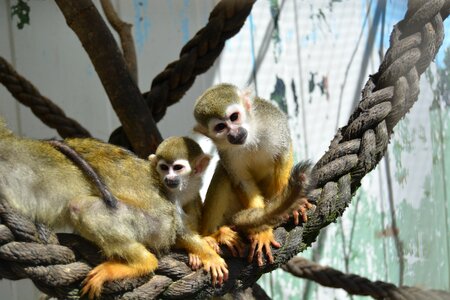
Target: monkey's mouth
[(172, 183), (239, 138)]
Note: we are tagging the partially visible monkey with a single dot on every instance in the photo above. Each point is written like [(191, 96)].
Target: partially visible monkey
[(256, 158), (40, 182), (178, 165)]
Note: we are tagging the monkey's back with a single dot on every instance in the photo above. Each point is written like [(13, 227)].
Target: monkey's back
[(142, 211), (127, 176), (37, 180), (277, 134)]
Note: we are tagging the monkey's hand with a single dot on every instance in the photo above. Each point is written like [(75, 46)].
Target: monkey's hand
[(303, 206), (200, 253), (216, 266), (212, 243), (194, 261), (260, 240), (230, 238)]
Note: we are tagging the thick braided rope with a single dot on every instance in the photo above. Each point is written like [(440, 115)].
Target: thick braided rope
[(386, 98), (198, 55), (49, 113), (357, 285), (355, 150)]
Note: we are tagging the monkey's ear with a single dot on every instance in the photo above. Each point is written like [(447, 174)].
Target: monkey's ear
[(246, 95), (201, 129), (201, 163), (153, 159)]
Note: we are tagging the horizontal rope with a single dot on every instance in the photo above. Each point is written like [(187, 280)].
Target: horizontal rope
[(357, 285)]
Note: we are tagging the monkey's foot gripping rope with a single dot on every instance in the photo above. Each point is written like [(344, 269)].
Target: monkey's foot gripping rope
[(32, 251)]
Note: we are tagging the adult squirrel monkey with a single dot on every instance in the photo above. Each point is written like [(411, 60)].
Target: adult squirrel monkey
[(179, 164), (42, 183), (256, 159)]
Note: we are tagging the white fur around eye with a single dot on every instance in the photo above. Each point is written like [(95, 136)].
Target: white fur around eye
[(236, 108), (212, 125), (162, 166), (185, 164)]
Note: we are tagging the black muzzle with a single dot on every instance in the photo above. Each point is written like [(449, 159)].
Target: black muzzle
[(238, 138)]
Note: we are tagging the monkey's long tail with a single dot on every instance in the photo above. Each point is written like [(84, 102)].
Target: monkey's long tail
[(274, 214), (4, 131)]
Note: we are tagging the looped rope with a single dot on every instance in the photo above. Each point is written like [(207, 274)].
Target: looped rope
[(49, 113), (354, 152), (197, 56)]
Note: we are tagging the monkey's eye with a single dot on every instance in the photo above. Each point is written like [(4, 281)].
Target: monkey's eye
[(163, 167), (178, 167), (219, 127), (234, 116)]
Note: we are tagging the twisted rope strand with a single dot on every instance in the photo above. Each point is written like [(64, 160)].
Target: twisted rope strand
[(48, 112), (357, 285), (196, 57)]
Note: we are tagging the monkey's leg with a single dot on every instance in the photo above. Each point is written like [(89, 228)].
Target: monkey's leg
[(221, 204), (282, 173), (139, 261), (280, 181), (250, 196), (212, 262), (218, 203), (115, 235), (302, 177)]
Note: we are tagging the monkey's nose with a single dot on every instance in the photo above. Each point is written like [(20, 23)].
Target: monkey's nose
[(238, 138), (172, 182)]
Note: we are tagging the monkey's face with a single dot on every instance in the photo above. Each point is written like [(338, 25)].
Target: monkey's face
[(232, 129), (174, 174), (178, 166)]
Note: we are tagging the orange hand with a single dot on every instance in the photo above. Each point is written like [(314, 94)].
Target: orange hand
[(227, 236), (202, 251), (216, 265), (194, 261), (302, 210), (212, 243), (259, 241)]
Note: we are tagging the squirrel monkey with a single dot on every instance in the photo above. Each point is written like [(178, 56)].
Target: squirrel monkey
[(179, 164), (256, 159), (40, 182)]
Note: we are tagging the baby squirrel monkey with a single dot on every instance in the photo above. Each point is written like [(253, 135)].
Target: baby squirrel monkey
[(179, 164), (39, 181), (256, 159)]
